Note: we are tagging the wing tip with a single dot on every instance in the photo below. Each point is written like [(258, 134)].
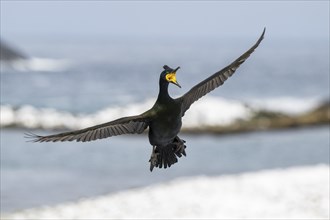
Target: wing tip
[(262, 36), (263, 32), (32, 137)]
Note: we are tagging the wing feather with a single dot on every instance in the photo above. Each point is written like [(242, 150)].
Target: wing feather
[(126, 125), (217, 79)]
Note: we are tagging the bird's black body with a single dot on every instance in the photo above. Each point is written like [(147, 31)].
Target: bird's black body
[(164, 119), (166, 123), (165, 126)]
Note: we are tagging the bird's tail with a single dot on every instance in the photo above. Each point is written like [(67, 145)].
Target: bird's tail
[(166, 156)]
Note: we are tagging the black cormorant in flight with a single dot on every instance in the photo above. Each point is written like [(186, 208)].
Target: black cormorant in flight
[(163, 119)]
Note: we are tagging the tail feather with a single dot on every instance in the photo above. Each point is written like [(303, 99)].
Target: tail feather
[(166, 156)]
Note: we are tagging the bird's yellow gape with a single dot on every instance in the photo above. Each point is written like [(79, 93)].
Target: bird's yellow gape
[(171, 77)]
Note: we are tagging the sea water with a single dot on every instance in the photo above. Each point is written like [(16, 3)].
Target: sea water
[(50, 173)]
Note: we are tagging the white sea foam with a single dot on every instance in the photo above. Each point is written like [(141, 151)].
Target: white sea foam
[(209, 111), (293, 193), (37, 64), (212, 111), (31, 117)]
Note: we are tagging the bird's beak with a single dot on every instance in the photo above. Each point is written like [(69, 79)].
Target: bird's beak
[(171, 77)]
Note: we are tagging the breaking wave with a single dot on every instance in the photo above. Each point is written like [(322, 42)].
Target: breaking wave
[(35, 64), (210, 111)]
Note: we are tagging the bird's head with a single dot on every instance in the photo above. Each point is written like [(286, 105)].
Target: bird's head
[(169, 75)]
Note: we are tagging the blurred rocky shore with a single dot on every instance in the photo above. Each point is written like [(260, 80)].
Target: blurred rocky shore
[(270, 120)]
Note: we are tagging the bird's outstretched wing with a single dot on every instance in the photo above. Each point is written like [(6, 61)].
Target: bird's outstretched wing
[(216, 80), (126, 125)]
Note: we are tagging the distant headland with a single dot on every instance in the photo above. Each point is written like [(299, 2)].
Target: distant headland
[(9, 53)]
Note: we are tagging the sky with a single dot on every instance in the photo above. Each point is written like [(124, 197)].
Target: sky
[(283, 19)]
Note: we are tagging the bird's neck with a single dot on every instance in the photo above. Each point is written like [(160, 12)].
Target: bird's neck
[(163, 91)]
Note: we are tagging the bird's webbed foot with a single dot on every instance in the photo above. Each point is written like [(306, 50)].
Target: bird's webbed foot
[(153, 158), (179, 147)]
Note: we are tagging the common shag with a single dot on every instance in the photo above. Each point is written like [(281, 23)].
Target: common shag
[(163, 119)]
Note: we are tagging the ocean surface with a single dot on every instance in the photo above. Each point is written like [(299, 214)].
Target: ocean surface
[(46, 174), (73, 83)]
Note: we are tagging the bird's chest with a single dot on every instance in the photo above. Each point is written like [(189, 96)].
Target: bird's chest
[(166, 125)]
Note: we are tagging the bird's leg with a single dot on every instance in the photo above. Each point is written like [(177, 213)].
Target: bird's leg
[(153, 158), (180, 146)]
